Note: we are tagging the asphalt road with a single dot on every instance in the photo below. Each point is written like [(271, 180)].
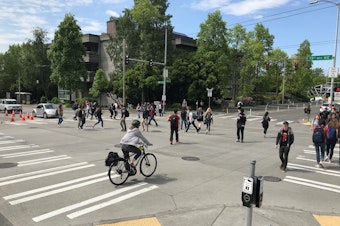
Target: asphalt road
[(53, 175)]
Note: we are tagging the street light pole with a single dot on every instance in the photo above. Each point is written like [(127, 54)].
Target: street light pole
[(336, 41)]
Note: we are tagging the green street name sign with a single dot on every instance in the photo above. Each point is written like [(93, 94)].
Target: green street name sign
[(324, 57), (162, 82)]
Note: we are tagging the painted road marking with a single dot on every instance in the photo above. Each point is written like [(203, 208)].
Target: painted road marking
[(111, 202), (312, 183), (84, 203), (26, 153), (152, 221), (43, 160)]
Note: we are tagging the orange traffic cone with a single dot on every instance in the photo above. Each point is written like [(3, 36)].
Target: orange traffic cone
[(6, 113), (13, 114), (28, 116), (20, 115), (31, 117), (23, 118), (12, 119)]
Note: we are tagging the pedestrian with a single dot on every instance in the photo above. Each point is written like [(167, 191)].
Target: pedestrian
[(60, 112), (138, 109), (191, 117), (160, 109), (122, 118), (115, 109), (315, 122), (200, 118), (332, 137), (208, 119), (99, 113), (111, 110), (319, 137), (88, 108), (240, 124), (145, 122), (265, 123), (184, 104), (93, 110), (81, 116), (184, 118), (284, 138), (152, 114), (174, 124)]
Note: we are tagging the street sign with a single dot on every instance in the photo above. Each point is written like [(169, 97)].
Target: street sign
[(162, 82), (322, 57), (333, 72)]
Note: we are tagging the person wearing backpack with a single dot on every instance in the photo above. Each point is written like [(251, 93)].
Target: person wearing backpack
[(332, 137), (191, 120), (200, 118), (284, 139), (265, 123), (174, 123), (240, 124), (319, 137)]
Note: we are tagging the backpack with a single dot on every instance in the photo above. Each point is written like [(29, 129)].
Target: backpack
[(173, 121), (183, 114), (112, 159), (200, 116), (194, 116), (318, 135), (331, 133), (127, 113)]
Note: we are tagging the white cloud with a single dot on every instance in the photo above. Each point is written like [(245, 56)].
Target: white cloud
[(89, 25), (238, 8), (112, 13)]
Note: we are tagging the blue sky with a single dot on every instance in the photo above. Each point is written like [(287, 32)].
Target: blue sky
[(290, 21)]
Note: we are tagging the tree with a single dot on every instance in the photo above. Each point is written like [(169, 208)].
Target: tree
[(212, 56), (66, 54), (143, 28), (100, 84)]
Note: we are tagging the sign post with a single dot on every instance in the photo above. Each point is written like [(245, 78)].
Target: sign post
[(210, 94)]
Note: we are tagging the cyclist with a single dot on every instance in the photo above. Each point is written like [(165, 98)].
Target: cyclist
[(130, 141)]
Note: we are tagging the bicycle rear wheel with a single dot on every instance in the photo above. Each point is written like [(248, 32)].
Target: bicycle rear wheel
[(118, 173), (148, 164)]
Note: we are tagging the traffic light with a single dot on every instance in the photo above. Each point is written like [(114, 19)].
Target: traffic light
[(150, 63), (296, 65), (267, 65), (127, 60)]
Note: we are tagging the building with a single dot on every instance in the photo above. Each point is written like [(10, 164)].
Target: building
[(97, 57)]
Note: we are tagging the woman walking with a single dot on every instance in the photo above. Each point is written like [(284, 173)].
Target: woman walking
[(265, 123), (207, 120), (99, 117), (60, 112)]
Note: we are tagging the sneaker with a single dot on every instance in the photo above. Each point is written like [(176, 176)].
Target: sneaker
[(317, 165), (177, 141), (170, 142), (237, 140), (329, 160), (321, 165), (326, 159), (281, 167)]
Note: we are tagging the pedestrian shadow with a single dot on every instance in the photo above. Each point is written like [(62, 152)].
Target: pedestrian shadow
[(154, 179)]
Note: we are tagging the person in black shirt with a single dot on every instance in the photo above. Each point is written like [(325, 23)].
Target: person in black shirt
[(285, 138), (241, 122)]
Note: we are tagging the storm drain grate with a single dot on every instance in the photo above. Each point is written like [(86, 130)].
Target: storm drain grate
[(8, 165), (190, 158), (271, 179)]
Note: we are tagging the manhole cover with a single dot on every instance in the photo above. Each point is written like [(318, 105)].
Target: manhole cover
[(190, 158), (155, 131), (8, 165), (271, 178), (117, 145)]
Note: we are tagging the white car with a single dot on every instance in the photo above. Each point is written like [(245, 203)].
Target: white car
[(326, 107), (45, 110)]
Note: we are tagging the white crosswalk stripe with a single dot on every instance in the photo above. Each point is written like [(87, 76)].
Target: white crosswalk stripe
[(73, 209)]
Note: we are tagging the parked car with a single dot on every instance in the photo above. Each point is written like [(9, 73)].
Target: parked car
[(326, 107), (45, 110), (10, 105)]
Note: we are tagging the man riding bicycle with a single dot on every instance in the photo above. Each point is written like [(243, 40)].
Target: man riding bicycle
[(130, 141)]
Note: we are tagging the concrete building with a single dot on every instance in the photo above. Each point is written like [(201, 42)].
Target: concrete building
[(97, 57)]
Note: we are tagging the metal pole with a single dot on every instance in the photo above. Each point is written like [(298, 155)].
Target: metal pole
[(164, 78), (250, 209), (124, 69), (283, 84), (335, 50)]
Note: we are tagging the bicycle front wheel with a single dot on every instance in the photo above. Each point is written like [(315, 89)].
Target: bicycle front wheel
[(148, 164), (118, 173)]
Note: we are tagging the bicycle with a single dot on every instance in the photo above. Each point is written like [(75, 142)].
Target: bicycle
[(120, 168)]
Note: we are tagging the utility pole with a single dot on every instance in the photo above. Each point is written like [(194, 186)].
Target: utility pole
[(124, 69), (165, 73)]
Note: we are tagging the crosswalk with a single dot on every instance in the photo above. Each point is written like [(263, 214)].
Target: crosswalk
[(308, 157), (252, 118), (45, 185)]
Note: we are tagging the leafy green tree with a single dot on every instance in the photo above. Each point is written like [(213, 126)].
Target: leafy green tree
[(100, 84), (212, 57), (143, 28), (66, 54), (11, 70)]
